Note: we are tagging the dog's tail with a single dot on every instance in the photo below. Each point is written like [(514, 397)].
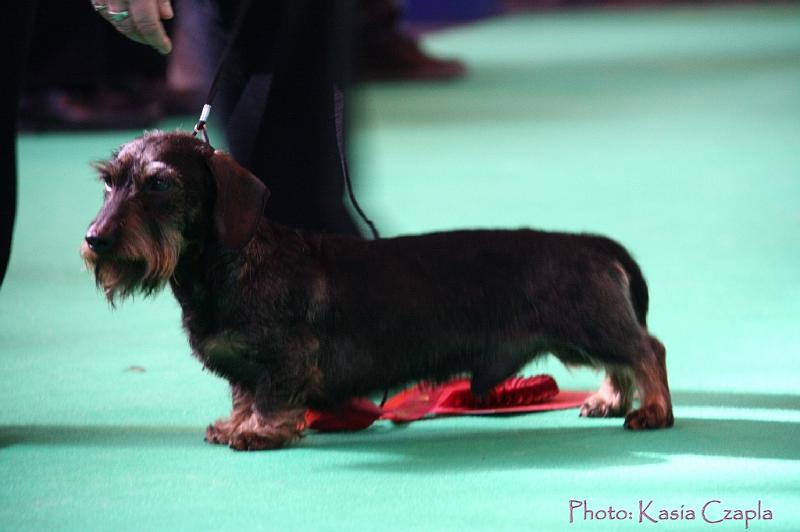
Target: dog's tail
[(640, 296)]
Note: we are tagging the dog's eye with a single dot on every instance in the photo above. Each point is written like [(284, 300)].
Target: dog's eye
[(159, 184), (107, 182)]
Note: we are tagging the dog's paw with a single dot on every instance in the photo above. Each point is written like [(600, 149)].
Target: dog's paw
[(215, 435), (244, 440), (649, 417), (253, 441), (598, 405)]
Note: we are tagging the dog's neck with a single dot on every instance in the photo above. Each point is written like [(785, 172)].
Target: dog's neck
[(209, 280), (197, 285), (213, 285)]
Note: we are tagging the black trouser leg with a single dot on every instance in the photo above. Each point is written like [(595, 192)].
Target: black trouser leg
[(15, 42), (295, 57)]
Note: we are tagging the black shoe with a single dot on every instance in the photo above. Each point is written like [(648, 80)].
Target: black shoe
[(395, 56)]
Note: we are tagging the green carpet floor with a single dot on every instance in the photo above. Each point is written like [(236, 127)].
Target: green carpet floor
[(675, 131)]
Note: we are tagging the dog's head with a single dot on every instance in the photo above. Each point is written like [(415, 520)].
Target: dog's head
[(166, 193)]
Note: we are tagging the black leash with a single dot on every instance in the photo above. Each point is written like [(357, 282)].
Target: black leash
[(236, 29)]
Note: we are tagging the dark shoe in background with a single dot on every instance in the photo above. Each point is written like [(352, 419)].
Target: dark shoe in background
[(385, 51), (80, 110), (395, 56)]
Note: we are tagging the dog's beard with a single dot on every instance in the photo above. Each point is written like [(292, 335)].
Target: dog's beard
[(140, 266)]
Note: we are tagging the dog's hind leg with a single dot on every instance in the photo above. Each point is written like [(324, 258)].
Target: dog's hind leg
[(248, 429), (650, 371), (614, 397), (619, 339)]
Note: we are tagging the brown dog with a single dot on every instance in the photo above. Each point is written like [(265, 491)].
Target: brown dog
[(295, 320)]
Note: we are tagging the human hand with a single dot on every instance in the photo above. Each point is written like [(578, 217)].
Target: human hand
[(139, 20)]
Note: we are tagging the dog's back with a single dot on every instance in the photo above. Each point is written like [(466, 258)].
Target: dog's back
[(480, 302)]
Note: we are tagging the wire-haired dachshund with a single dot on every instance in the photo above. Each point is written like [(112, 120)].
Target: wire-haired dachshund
[(294, 319)]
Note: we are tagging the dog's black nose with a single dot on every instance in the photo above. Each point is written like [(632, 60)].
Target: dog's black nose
[(99, 244)]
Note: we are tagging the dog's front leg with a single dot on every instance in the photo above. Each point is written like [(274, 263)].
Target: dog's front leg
[(247, 429), (270, 388)]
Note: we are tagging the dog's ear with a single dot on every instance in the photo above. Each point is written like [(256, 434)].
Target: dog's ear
[(241, 197)]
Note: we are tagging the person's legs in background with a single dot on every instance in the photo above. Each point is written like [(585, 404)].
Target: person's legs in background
[(294, 55)]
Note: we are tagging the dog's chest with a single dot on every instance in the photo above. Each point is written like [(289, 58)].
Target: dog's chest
[(229, 355)]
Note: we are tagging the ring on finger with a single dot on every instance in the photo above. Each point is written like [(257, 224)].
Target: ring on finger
[(117, 16), (99, 7)]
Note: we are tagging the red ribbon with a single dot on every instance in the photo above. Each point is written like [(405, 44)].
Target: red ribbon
[(515, 395)]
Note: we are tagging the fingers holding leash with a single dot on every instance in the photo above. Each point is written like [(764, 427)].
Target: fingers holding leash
[(139, 20)]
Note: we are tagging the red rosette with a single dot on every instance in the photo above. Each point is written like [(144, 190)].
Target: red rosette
[(513, 396), (516, 395)]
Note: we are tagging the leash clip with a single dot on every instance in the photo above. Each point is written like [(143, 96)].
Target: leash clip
[(201, 123)]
